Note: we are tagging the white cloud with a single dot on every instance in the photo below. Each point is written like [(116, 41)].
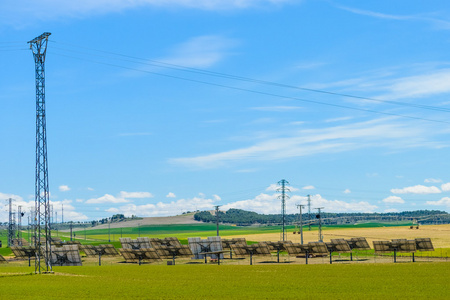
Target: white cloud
[(166, 208), (64, 188), (443, 202), (384, 133), (393, 199), (432, 180), (90, 189), (270, 204), (445, 187), (201, 51), (217, 198), (308, 187), (417, 189), (135, 195), (70, 213), (106, 199), (12, 196), (171, 195), (347, 191)]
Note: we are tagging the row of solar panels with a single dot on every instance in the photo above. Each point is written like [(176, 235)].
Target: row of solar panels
[(171, 248)]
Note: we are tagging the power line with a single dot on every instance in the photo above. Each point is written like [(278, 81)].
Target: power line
[(247, 79), (257, 92)]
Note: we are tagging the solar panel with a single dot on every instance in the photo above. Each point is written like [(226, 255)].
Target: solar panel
[(169, 241), (138, 255), (202, 248), (89, 250), (318, 248), (144, 242), (2, 259), (424, 244), (339, 245), (383, 246), (167, 252), (359, 243), (67, 255), (297, 249), (109, 250), (404, 245), (20, 242), (23, 252)]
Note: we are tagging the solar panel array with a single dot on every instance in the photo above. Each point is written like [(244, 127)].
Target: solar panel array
[(226, 243), (314, 248), (169, 241), (242, 250), (424, 244), (138, 255), (67, 255), (139, 243), (200, 247), (167, 252), (23, 252), (20, 242), (278, 246), (359, 243), (338, 245), (403, 245), (103, 249)]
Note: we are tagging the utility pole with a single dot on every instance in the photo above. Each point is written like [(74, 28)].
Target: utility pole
[(301, 223), (217, 219), (20, 214), (309, 212), (42, 201), (320, 224), (283, 189), (11, 230)]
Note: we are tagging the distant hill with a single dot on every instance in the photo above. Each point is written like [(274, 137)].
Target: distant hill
[(243, 217)]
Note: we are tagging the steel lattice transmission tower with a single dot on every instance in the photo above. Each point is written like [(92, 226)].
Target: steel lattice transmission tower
[(283, 189), (42, 202)]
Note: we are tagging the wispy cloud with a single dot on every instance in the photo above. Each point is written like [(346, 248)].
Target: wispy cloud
[(436, 23), (432, 180), (377, 133), (201, 51), (28, 11)]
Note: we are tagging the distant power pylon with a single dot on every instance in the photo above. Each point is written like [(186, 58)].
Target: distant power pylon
[(283, 189), (42, 202)]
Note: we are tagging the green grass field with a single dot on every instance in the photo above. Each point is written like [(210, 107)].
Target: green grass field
[(367, 281)]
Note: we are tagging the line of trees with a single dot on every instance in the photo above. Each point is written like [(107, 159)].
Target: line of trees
[(243, 217)]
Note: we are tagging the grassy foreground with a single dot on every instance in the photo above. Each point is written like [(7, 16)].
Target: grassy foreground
[(368, 281)]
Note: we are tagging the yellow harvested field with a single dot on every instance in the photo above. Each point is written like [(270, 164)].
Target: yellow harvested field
[(439, 234)]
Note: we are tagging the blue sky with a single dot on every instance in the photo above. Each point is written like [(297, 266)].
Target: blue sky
[(158, 107)]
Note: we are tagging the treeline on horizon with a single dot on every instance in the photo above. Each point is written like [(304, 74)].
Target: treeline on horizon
[(243, 217)]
